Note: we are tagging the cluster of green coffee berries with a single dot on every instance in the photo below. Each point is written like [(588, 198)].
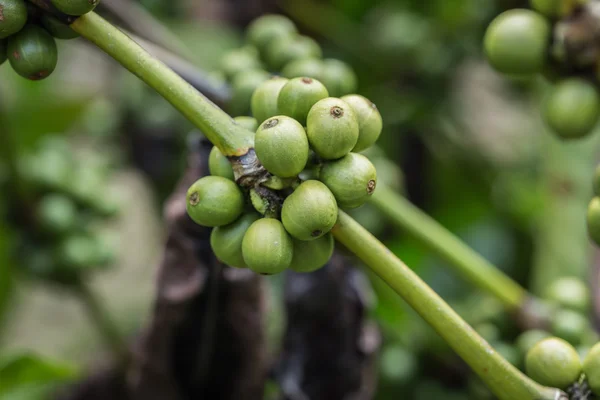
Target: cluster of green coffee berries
[(275, 46), (593, 213), (27, 35), (553, 38), (68, 207)]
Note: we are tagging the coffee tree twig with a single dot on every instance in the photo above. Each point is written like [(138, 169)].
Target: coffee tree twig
[(503, 379)]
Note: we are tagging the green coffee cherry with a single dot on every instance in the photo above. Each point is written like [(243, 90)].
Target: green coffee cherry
[(219, 165), (32, 53), (570, 326), (517, 41), (264, 30), (264, 100), (528, 339), (78, 252), (14, 17), (591, 368), (338, 78), (57, 28), (281, 146), (310, 211), (226, 241), (352, 179), (593, 220), (3, 46), (572, 108), (286, 49), (242, 87), (369, 119), (214, 201), (553, 362), (297, 97), (75, 7), (249, 123), (554, 8), (267, 248), (332, 128), (303, 67), (597, 181), (57, 213), (570, 293), (239, 60), (311, 255)]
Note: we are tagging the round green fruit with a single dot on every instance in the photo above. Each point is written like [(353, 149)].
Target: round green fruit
[(530, 338), (517, 42), (352, 179), (553, 362), (57, 28), (57, 213), (78, 252), (242, 87), (311, 255), (569, 292), (75, 7), (239, 60), (267, 248), (298, 96), (572, 108), (332, 128), (14, 17), (226, 241), (303, 67), (593, 220), (591, 368), (214, 201), (570, 326), (310, 211), (3, 46), (268, 28), (264, 99), (32, 53), (338, 78), (281, 146), (219, 165), (289, 48), (249, 123), (369, 119)]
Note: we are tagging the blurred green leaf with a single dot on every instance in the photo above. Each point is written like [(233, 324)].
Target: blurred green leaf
[(27, 376)]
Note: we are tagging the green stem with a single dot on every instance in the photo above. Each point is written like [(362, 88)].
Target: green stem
[(215, 124), (100, 317), (465, 260), (506, 381)]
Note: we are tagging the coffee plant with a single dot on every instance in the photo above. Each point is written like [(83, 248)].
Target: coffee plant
[(291, 173)]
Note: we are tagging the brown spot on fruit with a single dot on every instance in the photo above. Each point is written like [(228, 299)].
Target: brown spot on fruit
[(316, 233), (39, 75), (336, 112), (16, 55), (194, 198), (307, 80), (271, 123), (371, 186)]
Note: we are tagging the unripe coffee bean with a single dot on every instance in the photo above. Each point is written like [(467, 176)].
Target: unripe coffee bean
[(285, 49), (219, 165), (352, 179), (281, 146), (593, 220), (264, 30), (569, 292), (338, 78), (304, 67), (267, 247), (298, 96), (242, 87), (214, 201), (32, 53), (591, 368), (75, 7), (517, 41), (14, 17), (264, 99), (311, 255), (57, 213), (310, 211), (369, 119), (57, 28), (553, 362), (226, 241), (332, 128), (239, 60), (570, 326)]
